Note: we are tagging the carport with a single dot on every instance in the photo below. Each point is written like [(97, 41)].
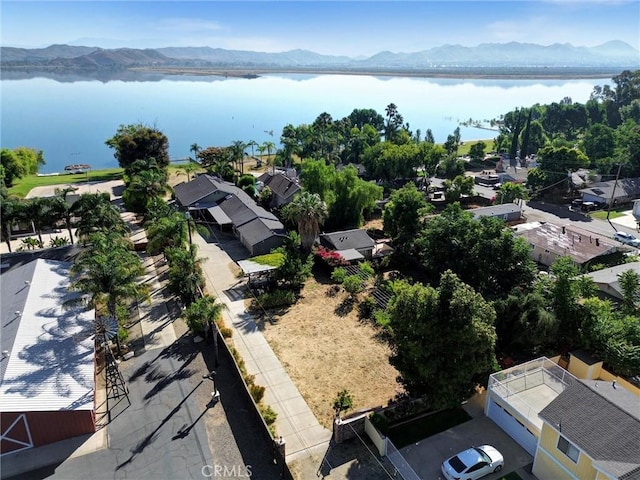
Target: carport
[(426, 456)]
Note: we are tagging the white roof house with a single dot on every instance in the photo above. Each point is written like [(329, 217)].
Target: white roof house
[(47, 369)]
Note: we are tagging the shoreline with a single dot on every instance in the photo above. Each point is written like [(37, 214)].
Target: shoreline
[(251, 73)]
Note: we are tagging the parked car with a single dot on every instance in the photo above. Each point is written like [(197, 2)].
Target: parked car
[(473, 463), (627, 239)]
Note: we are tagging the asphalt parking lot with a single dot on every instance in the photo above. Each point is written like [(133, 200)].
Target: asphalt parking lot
[(427, 455)]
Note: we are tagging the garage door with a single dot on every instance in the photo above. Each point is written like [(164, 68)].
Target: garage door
[(513, 427)]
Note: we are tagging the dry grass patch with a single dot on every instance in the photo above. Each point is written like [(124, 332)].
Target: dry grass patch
[(325, 353)]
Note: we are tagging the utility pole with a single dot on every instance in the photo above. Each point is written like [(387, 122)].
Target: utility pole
[(613, 192)]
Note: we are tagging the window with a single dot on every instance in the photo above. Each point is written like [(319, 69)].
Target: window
[(568, 448)]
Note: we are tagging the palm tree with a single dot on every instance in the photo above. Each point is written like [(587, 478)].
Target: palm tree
[(143, 187), (308, 211), (269, 146), (166, 232), (261, 149), (11, 211), (109, 272), (185, 273), (238, 154), (96, 214), (195, 148), (189, 168), (253, 144), (39, 211), (63, 209), (201, 311)]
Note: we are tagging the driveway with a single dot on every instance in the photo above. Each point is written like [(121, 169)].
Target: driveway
[(427, 455)]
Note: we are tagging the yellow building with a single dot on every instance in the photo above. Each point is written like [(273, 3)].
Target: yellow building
[(590, 431)]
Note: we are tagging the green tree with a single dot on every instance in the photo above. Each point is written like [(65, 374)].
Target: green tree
[(354, 198), (109, 272), (319, 177), (11, 212), (556, 162), (11, 167), (40, 211), (237, 152), (139, 142), (186, 279), (308, 211), (297, 262), (511, 192), (96, 214), (481, 252), (204, 309), (459, 186), (565, 296), (342, 402), (450, 167), (599, 142), (143, 187), (630, 285), (165, 232), (63, 209), (477, 150), (402, 216), (445, 329)]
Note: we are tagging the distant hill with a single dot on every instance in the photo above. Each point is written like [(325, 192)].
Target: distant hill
[(513, 55)]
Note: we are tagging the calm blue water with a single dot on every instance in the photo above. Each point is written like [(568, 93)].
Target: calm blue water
[(70, 121)]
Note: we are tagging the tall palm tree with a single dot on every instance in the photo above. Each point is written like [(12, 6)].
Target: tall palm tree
[(253, 144), (269, 147), (308, 211), (63, 209), (39, 211), (186, 278), (166, 232), (195, 148), (143, 187), (203, 310), (238, 154), (96, 214), (11, 211), (109, 272)]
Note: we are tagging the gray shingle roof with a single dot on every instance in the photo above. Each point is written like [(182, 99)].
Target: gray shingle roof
[(279, 184), (602, 421), (256, 231), (495, 210), (356, 239), (626, 187), (201, 186), (609, 276)]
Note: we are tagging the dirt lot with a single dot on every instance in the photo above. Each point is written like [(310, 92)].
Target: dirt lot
[(324, 353)]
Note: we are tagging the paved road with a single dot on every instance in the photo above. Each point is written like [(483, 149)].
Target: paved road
[(170, 430)]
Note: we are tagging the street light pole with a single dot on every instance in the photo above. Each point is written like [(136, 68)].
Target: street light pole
[(187, 215)]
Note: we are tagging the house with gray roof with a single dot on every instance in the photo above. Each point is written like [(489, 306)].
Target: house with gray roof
[(509, 212), (283, 187), (625, 190), (590, 431), (607, 279), (214, 201), (353, 244)]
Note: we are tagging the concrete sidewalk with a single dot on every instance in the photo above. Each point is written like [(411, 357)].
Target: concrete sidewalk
[(296, 423)]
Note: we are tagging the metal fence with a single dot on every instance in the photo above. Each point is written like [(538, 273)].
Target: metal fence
[(402, 468)]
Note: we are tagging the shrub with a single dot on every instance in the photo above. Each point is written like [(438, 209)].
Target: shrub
[(257, 392), (366, 269), (366, 307), (268, 414), (330, 257), (353, 285), (342, 402), (382, 318), (338, 275), (277, 298), (226, 332)]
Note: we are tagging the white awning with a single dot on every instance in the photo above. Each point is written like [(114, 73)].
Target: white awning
[(249, 267)]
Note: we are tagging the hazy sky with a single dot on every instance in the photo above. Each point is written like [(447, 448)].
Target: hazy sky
[(329, 27)]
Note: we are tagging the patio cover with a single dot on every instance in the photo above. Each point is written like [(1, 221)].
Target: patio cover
[(250, 268), (219, 216), (350, 254)]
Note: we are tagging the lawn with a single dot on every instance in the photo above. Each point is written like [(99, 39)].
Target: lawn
[(464, 149), (427, 426), (602, 214), (24, 185), (325, 352)]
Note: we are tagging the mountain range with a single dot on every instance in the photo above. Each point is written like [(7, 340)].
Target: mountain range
[(486, 55)]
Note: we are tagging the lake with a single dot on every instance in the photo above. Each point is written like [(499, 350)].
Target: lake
[(70, 120)]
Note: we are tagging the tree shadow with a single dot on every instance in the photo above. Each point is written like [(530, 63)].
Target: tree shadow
[(149, 439), (345, 307)]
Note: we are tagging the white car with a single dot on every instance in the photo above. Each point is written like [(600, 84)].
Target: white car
[(627, 239), (473, 463)]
